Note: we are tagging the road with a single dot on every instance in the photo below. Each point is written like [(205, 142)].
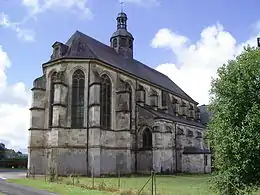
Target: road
[(14, 189)]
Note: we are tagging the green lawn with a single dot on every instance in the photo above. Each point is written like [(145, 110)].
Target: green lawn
[(179, 185), (61, 189), (165, 185)]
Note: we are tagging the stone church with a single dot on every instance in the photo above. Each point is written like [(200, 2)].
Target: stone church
[(97, 110)]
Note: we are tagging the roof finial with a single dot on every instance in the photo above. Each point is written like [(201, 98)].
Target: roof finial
[(122, 5)]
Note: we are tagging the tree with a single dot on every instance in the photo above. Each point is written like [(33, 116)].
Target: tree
[(234, 130), (2, 151)]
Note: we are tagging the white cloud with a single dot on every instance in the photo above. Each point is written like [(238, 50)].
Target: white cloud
[(14, 109), (142, 2), (36, 7), (197, 63), (22, 33)]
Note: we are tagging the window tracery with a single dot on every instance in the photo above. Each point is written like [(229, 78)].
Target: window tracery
[(105, 102), (77, 105)]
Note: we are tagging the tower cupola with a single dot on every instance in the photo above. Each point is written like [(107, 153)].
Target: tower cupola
[(122, 40)]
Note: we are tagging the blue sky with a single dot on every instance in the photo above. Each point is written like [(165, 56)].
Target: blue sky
[(185, 17), (184, 39)]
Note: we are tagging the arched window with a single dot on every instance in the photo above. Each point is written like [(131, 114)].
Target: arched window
[(53, 78), (105, 102), (77, 104), (147, 139)]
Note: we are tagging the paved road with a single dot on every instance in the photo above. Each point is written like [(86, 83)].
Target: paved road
[(14, 189)]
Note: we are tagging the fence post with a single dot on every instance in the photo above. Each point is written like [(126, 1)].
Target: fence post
[(152, 180), (73, 177), (154, 183), (45, 175), (93, 182), (33, 172), (118, 180)]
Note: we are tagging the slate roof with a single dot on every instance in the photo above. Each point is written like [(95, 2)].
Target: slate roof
[(169, 116), (82, 46), (193, 150)]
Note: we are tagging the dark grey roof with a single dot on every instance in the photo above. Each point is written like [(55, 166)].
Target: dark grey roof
[(122, 32), (84, 47), (169, 116), (122, 15), (193, 150)]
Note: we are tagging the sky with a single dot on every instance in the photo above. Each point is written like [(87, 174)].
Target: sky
[(184, 39)]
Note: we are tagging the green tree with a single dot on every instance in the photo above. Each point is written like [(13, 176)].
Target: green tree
[(2, 151), (234, 130)]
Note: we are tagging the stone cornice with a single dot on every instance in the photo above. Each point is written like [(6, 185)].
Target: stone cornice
[(36, 108), (37, 89)]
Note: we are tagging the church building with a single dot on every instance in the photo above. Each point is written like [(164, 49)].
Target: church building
[(97, 110)]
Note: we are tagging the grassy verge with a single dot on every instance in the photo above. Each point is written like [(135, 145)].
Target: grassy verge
[(61, 189), (166, 185)]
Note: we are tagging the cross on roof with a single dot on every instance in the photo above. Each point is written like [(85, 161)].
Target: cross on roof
[(122, 5)]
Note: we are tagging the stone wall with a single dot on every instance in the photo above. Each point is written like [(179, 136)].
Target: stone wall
[(97, 151), (195, 163)]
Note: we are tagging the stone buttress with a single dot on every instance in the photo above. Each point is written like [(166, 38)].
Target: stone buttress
[(37, 150)]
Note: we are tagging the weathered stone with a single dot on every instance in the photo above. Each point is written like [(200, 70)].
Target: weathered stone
[(143, 133)]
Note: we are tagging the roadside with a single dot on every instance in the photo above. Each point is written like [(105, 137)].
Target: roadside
[(12, 173), (14, 189), (62, 189)]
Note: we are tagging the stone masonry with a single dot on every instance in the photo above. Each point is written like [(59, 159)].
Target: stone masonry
[(150, 127)]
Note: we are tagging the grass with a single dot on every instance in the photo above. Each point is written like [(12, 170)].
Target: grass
[(179, 185), (61, 189), (166, 185)]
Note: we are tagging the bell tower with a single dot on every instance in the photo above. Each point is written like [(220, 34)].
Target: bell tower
[(122, 40)]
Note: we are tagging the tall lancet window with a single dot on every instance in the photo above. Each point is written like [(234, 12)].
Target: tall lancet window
[(129, 90), (105, 102), (53, 78), (77, 105)]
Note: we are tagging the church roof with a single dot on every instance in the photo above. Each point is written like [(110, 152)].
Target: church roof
[(82, 46), (169, 116)]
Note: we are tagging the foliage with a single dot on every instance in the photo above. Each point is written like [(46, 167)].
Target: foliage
[(19, 162), (234, 130), (2, 151)]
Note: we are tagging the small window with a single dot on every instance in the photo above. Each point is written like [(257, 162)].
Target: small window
[(147, 139), (123, 42), (164, 98), (115, 43), (206, 160)]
